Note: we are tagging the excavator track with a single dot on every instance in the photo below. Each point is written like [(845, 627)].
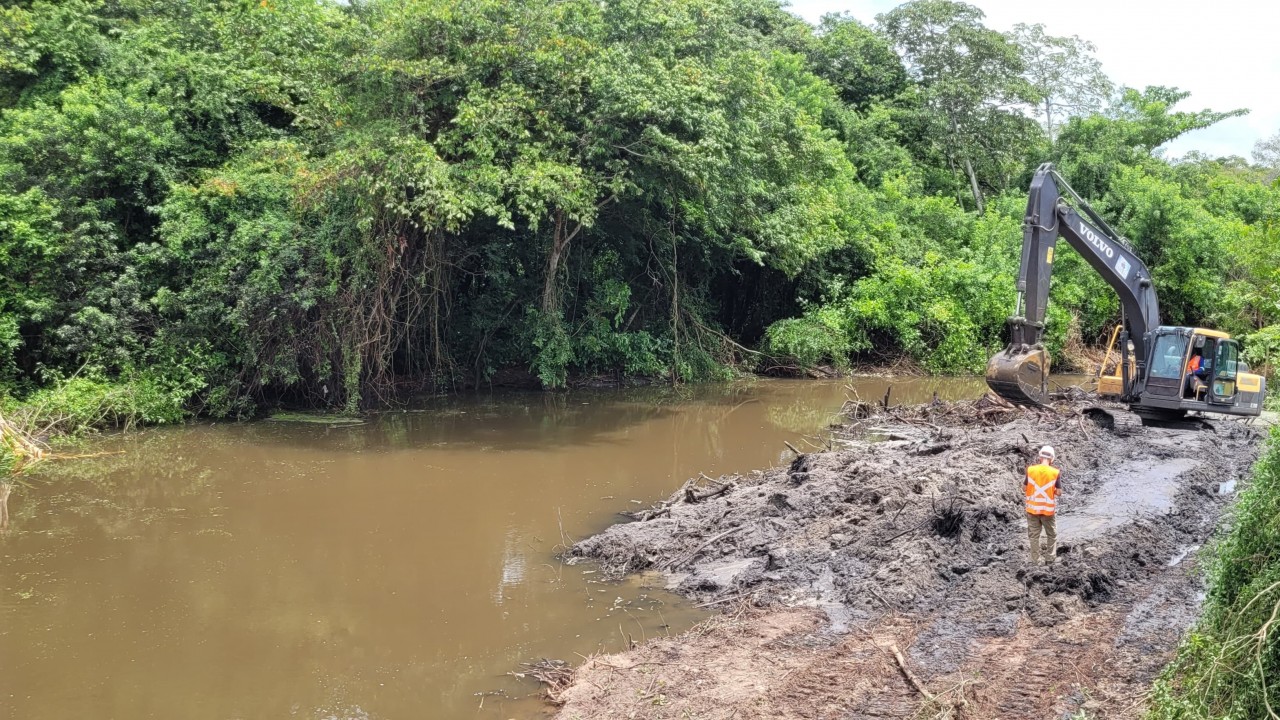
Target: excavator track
[(1131, 421), (1172, 420)]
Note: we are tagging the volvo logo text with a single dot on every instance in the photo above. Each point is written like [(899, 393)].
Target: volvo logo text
[(1097, 242)]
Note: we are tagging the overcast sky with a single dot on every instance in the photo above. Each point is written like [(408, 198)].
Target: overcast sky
[(1226, 53)]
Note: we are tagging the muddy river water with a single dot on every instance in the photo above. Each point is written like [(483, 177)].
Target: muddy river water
[(397, 568)]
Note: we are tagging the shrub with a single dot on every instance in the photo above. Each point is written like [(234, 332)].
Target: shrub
[(554, 349), (89, 402), (816, 337)]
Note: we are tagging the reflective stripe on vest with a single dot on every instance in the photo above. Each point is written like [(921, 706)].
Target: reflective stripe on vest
[(1042, 489)]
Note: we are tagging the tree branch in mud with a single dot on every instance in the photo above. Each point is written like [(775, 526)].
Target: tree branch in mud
[(688, 493), (555, 675), (947, 708), (695, 497), (906, 673), (694, 553)]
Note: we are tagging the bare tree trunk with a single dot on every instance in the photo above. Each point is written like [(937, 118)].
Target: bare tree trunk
[(675, 310), (973, 183), (1048, 117), (560, 240), (553, 267), (968, 166), (951, 161), (438, 303)]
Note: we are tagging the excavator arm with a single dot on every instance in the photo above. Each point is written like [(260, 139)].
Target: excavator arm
[(1020, 372)]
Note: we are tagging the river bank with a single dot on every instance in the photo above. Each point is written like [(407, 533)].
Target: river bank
[(887, 577)]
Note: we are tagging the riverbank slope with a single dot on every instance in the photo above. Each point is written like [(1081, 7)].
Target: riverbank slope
[(888, 576)]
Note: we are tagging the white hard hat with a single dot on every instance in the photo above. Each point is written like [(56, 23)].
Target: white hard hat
[(1047, 452)]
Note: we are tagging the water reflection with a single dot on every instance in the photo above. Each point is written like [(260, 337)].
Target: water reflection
[(5, 489), (391, 569), (513, 567)]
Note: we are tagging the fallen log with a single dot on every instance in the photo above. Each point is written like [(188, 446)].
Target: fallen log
[(692, 496)]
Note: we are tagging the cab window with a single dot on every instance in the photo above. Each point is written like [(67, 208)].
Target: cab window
[(1226, 364), (1166, 361)]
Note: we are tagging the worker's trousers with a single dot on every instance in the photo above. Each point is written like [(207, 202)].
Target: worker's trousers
[(1049, 523)]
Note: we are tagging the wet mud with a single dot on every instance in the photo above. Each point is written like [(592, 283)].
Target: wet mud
[(897, 562)]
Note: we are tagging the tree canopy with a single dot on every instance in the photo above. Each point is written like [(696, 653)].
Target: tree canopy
[(249, 202)]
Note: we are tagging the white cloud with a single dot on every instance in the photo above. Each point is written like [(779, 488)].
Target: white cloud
[(1224, 53)]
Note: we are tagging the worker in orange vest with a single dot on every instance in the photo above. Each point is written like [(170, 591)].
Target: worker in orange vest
[(1195, 376), (1042, 488)]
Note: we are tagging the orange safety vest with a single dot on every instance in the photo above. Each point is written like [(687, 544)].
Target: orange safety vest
[(1042, 489), (1193, 364)]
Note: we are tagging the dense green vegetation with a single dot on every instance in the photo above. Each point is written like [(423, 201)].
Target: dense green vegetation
[(209, 206), (1229, 667)]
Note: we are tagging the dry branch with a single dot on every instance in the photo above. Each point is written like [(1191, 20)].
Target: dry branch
[(691, 496), (906, 673), (694, 553), (18, 443), (555, 675)]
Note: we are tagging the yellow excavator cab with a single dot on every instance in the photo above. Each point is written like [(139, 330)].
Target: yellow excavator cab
[(1227, 387)]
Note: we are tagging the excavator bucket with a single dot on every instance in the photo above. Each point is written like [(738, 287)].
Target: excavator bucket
[(1020, 374)]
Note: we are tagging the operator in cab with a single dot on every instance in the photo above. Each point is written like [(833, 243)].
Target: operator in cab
[(1196, 373)]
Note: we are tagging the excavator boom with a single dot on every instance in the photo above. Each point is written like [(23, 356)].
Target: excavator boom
[(1020, 372)]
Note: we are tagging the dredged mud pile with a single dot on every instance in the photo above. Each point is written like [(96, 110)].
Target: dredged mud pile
[(919, 515)]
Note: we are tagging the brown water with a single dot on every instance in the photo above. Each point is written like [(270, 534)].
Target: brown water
[(1143, 487), (393, 569)]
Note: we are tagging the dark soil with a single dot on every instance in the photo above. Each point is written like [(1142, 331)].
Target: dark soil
[(916, 521)]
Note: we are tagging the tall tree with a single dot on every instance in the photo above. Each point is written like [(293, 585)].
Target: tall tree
[(856, 60), (1063, 71), (970, 76), (1093, 150), (1267, 154)]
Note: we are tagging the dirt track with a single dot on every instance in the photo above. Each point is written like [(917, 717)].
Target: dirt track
[(910, 539)]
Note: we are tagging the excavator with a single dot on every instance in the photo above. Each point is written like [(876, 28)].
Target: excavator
[(1163, 372)]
